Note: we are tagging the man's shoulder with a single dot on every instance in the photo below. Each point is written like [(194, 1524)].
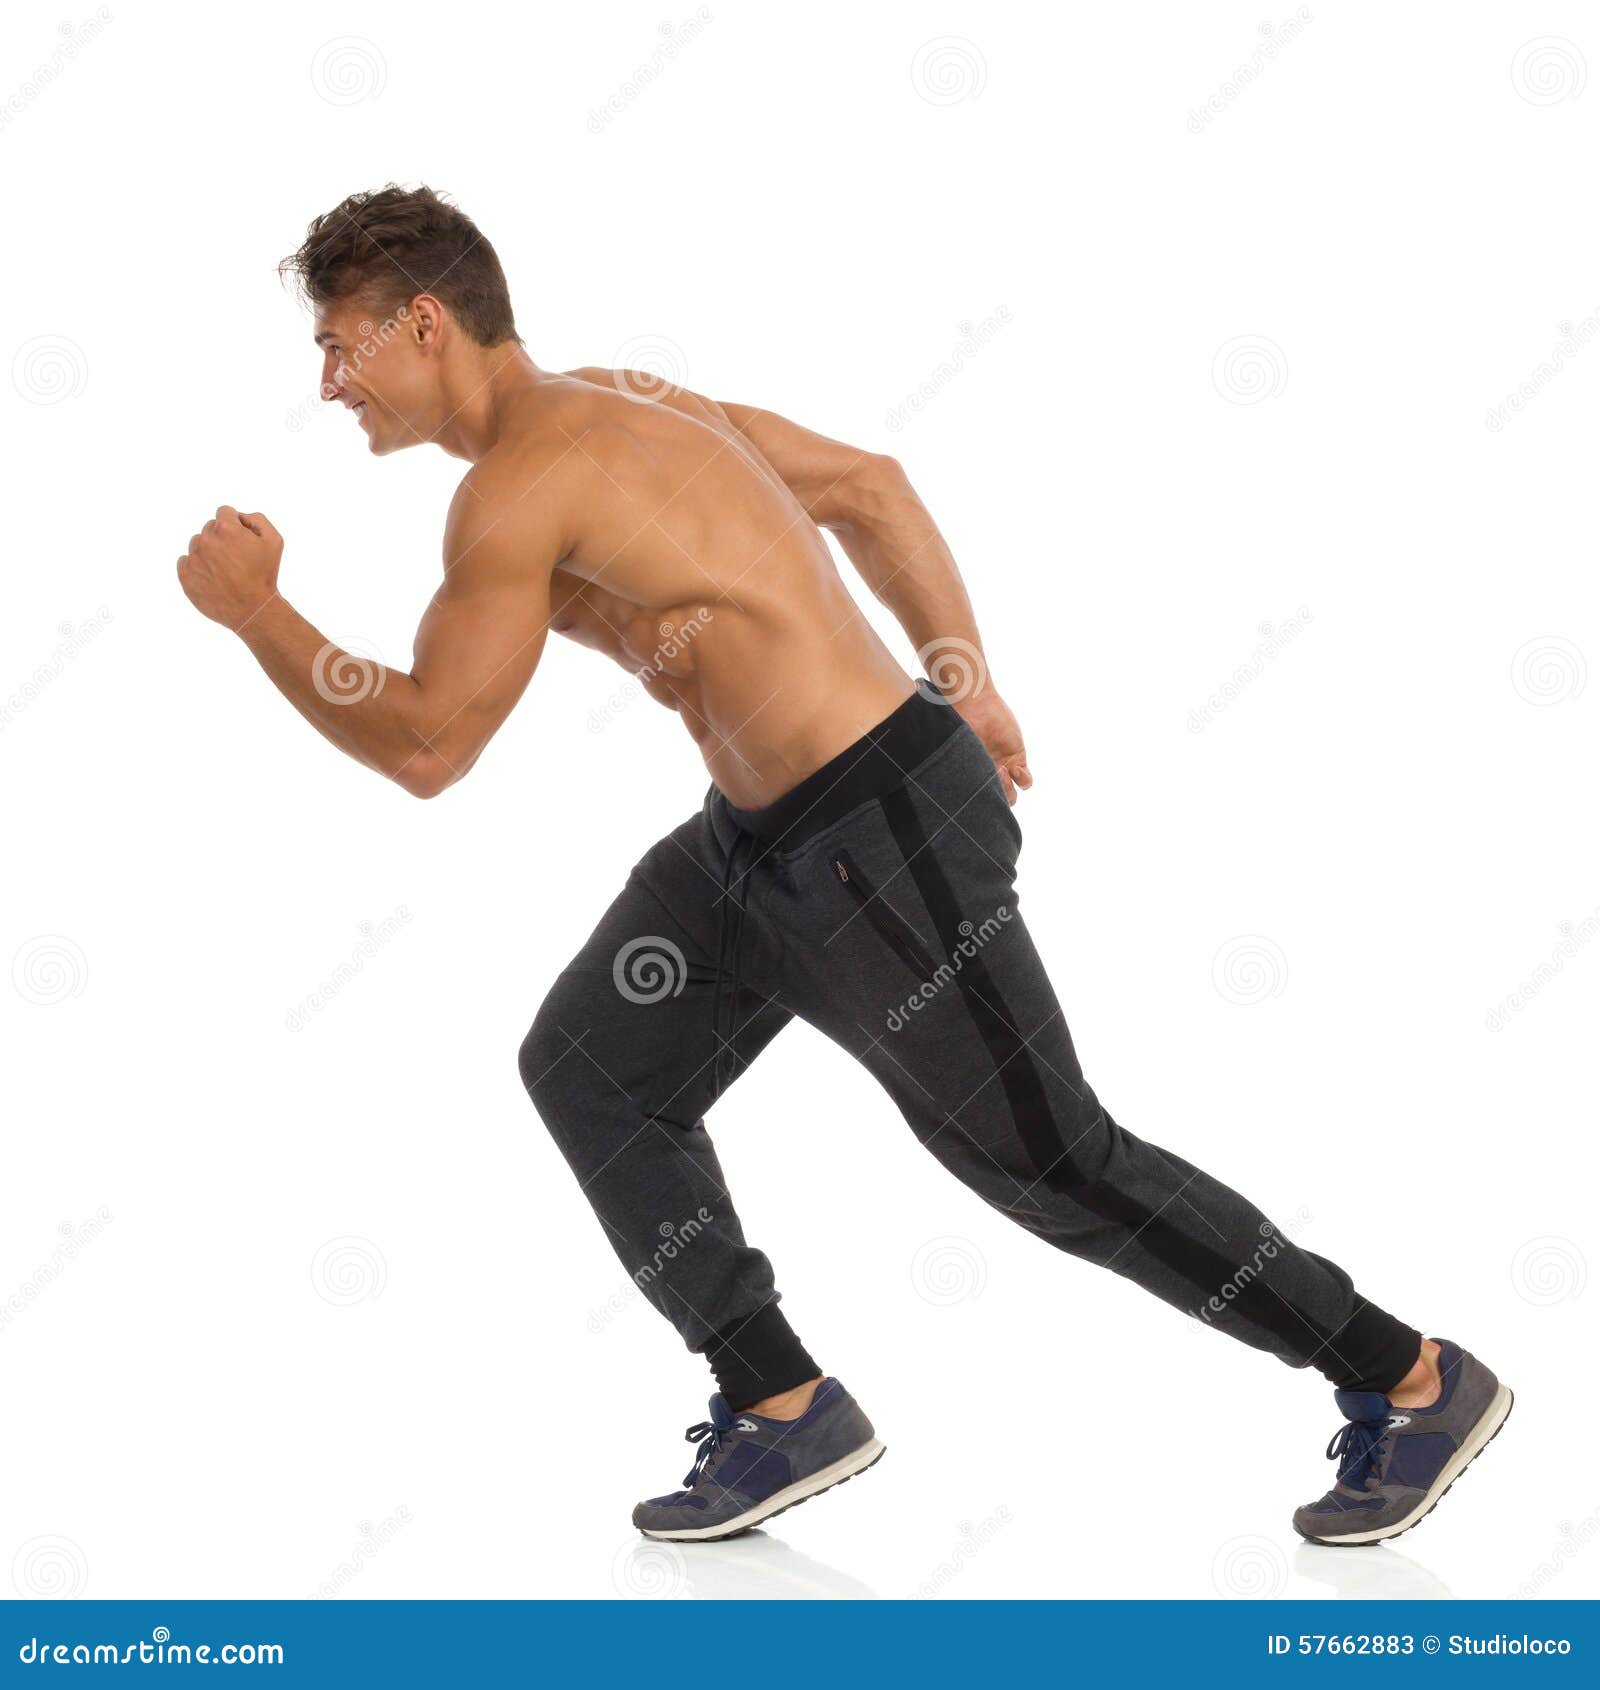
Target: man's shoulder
[(575, 414), (535, 441), (517, 494), (571, 448), (650, 387)]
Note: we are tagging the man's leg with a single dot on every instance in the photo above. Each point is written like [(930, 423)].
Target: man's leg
[(622, 1062), (908, 950)]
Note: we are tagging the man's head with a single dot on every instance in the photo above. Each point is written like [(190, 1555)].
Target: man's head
[(406, 296)]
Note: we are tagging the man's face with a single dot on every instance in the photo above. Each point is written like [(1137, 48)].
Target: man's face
[(373, 366)]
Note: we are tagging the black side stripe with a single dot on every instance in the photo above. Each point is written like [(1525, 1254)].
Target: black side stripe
[(900, 938), (1190, 1258)]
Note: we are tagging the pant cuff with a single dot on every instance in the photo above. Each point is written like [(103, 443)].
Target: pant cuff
[(1372, 1351), (758, 1357)]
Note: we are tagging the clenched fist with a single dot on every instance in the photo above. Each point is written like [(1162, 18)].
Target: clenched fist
[(231, 567)]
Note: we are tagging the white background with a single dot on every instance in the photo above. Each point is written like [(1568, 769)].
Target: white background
[(1251, 356)]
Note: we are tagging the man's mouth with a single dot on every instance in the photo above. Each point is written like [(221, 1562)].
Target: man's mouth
[(360, 410)]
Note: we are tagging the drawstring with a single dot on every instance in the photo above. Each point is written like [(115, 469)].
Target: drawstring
[(730, 937)]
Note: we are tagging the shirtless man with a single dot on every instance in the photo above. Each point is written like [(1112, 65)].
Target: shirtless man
[(852, 863)]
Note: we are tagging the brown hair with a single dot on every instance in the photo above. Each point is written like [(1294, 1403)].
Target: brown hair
[(394, 243)]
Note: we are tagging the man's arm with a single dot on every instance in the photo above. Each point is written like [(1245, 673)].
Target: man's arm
[(476, 647), (867, 500)]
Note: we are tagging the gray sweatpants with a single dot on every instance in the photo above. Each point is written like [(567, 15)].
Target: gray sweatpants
[(877, 902)]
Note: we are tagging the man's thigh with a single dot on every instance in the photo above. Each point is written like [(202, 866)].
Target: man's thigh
[(633, 1017), (904, 944)]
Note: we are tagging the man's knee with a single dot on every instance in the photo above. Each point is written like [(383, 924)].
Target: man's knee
[(1059, 1156), (548, 1059)]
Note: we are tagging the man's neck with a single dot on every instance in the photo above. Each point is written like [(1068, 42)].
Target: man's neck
[(479, 398)]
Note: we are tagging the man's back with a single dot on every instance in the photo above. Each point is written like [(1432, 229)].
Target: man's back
[(680, 552)]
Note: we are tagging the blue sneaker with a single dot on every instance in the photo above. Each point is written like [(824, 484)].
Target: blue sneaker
[(749, 1468), (1395, 1463)]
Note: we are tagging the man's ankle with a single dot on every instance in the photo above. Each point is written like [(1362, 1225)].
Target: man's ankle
[(786, 1405), (1421, 1386)]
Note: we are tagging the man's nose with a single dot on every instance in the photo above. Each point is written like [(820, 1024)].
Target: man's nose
[(330, 381)]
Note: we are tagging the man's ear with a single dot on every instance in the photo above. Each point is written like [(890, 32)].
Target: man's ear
[(426, 321)]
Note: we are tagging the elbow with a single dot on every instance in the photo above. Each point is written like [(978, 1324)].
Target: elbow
[(880, 475), (875, 486), (424, 774), (885, 470)]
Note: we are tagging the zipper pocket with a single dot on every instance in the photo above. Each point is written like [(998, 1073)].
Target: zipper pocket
[(896, 933)]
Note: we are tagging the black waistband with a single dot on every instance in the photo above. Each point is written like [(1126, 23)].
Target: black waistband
[(876, 764)]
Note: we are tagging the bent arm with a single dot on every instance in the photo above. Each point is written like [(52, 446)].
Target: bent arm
[(867, 500), (476, 649)]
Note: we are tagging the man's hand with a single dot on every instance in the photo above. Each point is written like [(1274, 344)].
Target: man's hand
[(991, 720), (231, 567)]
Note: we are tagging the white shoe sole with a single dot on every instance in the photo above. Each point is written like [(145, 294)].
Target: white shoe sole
[(1490, 1422), (858, 1461)]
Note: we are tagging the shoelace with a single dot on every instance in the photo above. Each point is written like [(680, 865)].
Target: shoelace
[(1356, 1446), (711, 1438)]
